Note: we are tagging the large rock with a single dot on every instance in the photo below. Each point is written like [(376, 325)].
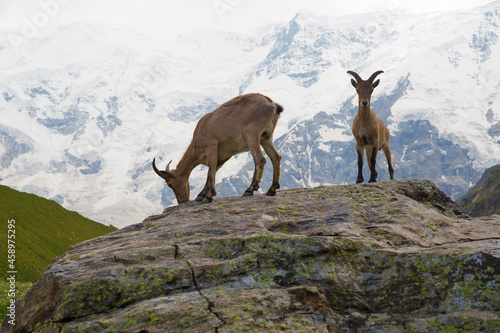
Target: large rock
[(395, 256)]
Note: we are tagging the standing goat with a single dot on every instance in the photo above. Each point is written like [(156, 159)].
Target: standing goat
[(244, 123), (369, 131)]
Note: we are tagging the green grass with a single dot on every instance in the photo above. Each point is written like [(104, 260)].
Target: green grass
[(43, 231), (21, 289)]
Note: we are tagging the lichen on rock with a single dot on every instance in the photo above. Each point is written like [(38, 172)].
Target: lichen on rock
[(394, 256)]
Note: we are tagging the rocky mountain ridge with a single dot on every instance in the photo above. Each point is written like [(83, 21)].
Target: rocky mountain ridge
[(393, 256)]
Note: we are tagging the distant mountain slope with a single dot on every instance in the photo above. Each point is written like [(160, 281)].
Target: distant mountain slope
[(43, 230), (484, 198)]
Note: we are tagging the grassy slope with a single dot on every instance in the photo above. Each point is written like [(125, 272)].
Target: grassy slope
[(43, 230)]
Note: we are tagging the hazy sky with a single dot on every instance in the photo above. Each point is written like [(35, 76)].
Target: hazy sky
[(190, 15)]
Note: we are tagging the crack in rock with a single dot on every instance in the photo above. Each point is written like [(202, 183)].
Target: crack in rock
[(176, 251), (211, 304)]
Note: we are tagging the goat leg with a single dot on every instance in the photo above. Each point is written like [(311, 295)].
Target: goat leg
[(360, 178), (372, 161), (276, 160), (388, 157), (208, 192), (201, 196), (259, 161)]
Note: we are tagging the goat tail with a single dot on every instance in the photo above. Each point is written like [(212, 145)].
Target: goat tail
[(279, 108)]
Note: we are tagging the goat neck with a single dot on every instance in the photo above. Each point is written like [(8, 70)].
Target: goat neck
[(188, 162)]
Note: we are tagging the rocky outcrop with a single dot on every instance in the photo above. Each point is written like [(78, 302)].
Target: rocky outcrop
[(484, 198), (395, 256)]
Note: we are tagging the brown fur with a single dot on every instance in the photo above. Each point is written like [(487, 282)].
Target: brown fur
[(370, 132), (244, 123)]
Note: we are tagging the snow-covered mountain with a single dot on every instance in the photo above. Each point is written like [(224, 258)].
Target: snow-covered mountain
[(85, 108)]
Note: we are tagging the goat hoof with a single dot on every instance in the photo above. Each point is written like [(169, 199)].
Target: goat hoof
[(207, 200), (372, 181), (199, 198), (271, 193), (248, 194)]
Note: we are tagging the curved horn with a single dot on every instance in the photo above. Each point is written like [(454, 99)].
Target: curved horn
[(162, 174), (374, 75), (356, 76)]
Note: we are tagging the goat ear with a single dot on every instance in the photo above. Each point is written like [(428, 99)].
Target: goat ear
[(375, 84), (354, 83)]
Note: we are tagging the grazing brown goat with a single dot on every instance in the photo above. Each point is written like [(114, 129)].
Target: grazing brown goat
[(244, 123), (369, 131)]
